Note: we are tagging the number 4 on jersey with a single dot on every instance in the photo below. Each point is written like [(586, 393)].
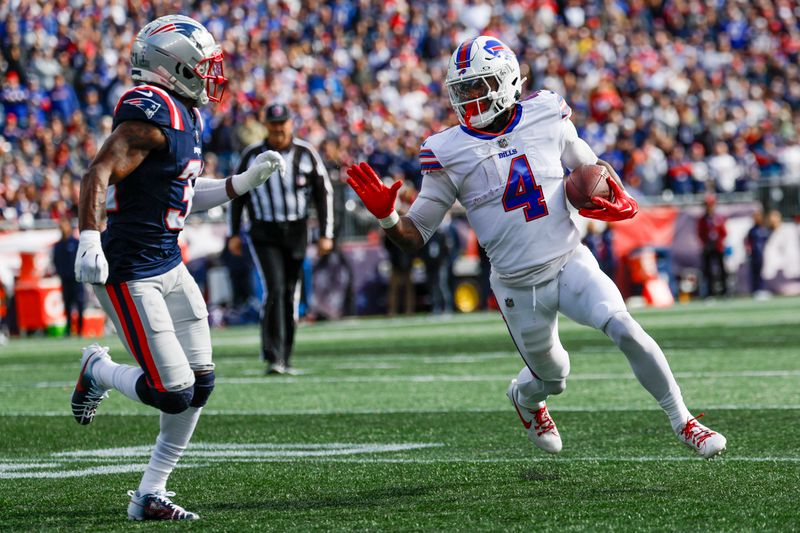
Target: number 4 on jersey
[(522, 191)]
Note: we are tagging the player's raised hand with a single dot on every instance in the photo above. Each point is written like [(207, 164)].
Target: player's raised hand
[(266, 164), (377, 197), (622, 208), (90, 264), (263, 166)]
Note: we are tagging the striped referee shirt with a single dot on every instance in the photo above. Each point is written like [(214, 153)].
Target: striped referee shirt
[(285, 197)]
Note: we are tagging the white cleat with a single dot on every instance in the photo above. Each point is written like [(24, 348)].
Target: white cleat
[(156, 506), (701, 439), (87, 394), (541, 429)]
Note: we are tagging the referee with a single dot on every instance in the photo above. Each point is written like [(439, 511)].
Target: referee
[(278, 212)]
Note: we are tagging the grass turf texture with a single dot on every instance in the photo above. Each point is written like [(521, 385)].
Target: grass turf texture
[(404, 425)]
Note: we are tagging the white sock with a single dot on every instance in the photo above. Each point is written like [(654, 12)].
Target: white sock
[(531, 391), (176, 430), (649, 366), (111, 375)]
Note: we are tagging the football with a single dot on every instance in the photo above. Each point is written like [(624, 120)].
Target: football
[(586, 182)]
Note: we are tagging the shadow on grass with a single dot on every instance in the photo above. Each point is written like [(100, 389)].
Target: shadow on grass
[(356, 499)]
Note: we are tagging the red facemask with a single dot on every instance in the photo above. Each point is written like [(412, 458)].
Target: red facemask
[(211, 70)]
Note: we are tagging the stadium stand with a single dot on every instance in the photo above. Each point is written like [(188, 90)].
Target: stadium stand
[(682, 96)]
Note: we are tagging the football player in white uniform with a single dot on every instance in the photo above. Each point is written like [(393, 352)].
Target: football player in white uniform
[(505, 164)]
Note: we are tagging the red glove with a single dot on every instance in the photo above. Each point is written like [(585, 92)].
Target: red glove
[(623, 207), (377, 197)]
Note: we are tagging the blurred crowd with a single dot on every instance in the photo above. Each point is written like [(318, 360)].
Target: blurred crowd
[(683, 96)]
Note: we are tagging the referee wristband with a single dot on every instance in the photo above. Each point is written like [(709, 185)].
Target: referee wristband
[(390, 221)]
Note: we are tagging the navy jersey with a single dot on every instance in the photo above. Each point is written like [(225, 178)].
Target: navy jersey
[(146, 210)]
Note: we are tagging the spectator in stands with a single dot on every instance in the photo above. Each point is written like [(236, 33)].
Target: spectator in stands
[(746, 163), (701, 180), (64, 253), (14, 98), (711, 231), (641, 76), (63, 99), (723, 168), (680, 171)]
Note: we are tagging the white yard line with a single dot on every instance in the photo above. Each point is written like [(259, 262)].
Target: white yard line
[(441, 378), (67, 464), (442, 410), (139, 467), (532, 459), (254, 450), (93, 470)]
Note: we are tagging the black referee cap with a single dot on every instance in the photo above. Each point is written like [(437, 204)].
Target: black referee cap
[(277, 113)]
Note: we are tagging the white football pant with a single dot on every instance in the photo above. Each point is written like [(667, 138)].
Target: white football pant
[(162, 322), (586, 295)]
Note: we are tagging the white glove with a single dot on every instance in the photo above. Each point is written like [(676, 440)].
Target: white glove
[(259, 171), (90, 264)]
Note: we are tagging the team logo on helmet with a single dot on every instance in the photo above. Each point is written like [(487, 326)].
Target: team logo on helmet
[(495, 48), (184, 28), (150, 107)]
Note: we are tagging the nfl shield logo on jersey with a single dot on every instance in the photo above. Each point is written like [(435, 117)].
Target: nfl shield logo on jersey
[(503, 142), (509, 302)]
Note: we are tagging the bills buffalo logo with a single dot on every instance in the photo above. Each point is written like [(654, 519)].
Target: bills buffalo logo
[(495, 48), (148, 106)]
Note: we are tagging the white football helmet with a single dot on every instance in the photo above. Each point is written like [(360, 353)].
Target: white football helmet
[(180, 54), (483, 80)]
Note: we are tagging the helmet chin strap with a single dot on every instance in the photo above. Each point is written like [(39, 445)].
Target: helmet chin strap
[(485, 128)]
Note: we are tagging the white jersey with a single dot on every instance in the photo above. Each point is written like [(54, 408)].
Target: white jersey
[(511, 185)]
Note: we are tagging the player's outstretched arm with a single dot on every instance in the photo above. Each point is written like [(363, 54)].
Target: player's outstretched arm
[(405, 235), (379, 200), (121, 153), (211, 192)]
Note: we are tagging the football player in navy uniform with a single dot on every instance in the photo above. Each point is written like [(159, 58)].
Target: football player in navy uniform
[(147, 178)]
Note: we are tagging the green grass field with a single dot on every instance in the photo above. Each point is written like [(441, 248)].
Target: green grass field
[(404, 425)]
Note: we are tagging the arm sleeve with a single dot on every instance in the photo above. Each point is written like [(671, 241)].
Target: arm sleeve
[(435, 199), (574, 150), (208, 193), (323, 195)]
